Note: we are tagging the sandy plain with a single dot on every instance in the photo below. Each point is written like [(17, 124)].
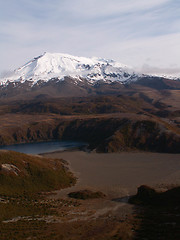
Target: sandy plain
[(119, 174)]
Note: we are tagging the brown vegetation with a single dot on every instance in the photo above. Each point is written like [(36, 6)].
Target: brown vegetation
[(86, 194), (29, 175), (123, 122), (160, 214), (104, 133)]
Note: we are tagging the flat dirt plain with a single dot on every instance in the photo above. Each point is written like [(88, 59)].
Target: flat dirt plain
[(119, 174)]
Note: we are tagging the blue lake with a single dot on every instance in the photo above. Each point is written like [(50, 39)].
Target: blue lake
[(43, 147)]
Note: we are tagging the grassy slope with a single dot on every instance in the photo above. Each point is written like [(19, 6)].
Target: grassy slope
[(20, 194), (36, 174)]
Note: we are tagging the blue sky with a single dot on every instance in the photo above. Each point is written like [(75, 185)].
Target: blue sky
[(139, 33)]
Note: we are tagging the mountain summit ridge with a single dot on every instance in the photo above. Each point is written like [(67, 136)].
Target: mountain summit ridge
[(59, 65)]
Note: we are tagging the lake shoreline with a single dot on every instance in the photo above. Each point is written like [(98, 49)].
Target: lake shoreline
[(44, 146)]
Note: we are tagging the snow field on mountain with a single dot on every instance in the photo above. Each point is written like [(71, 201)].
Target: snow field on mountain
[(57, 65)]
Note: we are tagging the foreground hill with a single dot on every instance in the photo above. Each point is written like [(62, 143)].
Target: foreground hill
[(22, 174), (159, 213)]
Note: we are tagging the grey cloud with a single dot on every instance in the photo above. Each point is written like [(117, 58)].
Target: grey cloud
[(6, 73), (91, 8), (157, 70)]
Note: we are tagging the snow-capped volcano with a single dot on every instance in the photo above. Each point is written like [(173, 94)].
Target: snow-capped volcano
[(56, 65)]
